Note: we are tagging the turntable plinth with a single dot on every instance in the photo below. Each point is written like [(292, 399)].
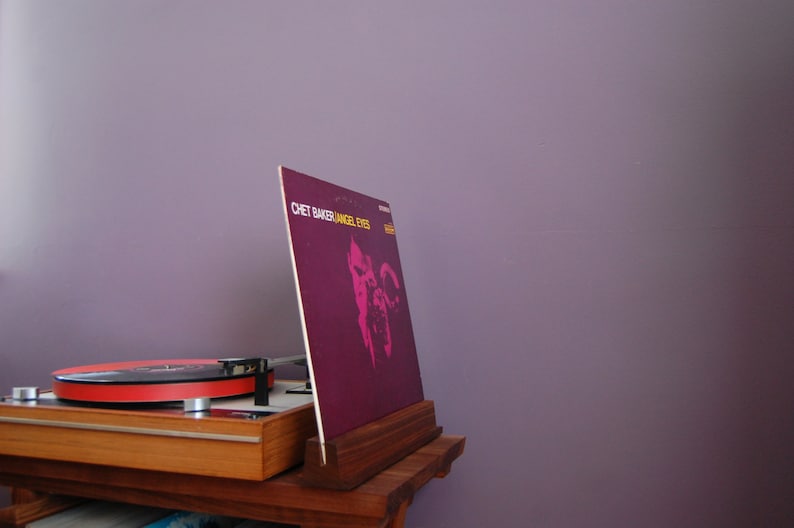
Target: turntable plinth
[(160, 440)]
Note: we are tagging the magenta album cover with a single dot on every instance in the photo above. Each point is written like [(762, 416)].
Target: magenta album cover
[(356, 325)]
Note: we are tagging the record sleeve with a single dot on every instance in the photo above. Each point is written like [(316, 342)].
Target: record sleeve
[(356, 323)]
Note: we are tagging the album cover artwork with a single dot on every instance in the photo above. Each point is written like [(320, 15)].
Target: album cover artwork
[(356, 324)]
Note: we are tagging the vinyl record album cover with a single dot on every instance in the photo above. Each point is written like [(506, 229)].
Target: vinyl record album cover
[(356, 324)]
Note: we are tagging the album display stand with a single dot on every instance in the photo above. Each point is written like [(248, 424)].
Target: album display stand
[(369, 479), (360, 454)]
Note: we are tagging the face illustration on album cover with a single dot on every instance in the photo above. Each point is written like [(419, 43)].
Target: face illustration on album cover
[(376, 290)]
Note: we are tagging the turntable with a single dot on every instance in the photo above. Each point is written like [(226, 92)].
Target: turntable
[(224, 418)]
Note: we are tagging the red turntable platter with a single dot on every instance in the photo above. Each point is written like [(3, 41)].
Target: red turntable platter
[(153, 381)]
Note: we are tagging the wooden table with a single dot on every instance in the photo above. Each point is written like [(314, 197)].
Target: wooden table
[(380, 502)]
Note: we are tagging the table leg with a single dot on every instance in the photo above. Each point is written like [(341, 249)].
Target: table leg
[(28, 506)]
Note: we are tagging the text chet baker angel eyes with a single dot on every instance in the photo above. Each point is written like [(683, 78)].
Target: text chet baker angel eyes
[(328, 215)]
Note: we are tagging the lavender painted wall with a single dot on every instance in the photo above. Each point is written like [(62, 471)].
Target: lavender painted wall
[(593, 200)]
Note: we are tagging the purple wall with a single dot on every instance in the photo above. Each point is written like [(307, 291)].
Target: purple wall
[(594, 204)]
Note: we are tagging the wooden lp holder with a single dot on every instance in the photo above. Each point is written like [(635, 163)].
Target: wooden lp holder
[(360, 454)]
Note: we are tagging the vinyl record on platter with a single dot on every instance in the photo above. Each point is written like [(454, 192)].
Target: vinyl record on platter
[(153, 381)]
